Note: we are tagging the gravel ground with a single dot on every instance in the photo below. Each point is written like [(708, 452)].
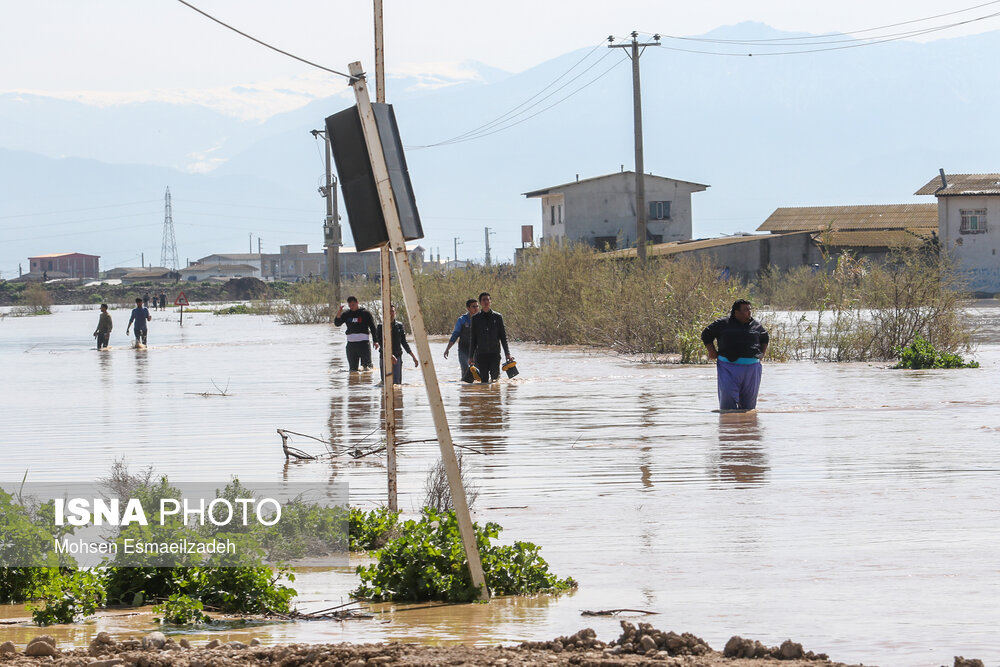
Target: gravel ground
[(642, 645)]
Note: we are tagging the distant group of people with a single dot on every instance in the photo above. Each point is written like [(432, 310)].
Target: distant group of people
[(136, 322), (479, 332), (159, 302)]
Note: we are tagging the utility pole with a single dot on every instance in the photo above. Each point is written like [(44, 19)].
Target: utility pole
[(457, 243), (251, 243), (640, 182), (388, 393), (488, 233), (331, 225)]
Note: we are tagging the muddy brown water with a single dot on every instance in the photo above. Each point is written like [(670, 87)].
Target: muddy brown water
[(855, 512)]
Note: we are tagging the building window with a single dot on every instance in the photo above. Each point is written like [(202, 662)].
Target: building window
[(659, 210), (973, 221), (552, 215), (605, 242)]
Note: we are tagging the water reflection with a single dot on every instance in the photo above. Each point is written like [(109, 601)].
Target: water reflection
[(741, 457), (483, 416)]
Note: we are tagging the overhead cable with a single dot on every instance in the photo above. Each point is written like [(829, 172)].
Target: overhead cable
[(263, 43)]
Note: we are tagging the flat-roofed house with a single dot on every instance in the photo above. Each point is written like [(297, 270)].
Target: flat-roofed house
[(968, 218), (600, 211), (73, 264)]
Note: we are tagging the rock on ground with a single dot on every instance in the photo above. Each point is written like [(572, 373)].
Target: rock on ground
[(642, 645)]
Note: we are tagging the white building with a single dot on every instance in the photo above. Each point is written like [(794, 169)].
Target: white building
[(198, 272), (969, 224), (600, 211), (250, 258)]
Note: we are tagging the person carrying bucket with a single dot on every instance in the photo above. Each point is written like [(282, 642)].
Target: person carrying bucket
[(742, 344), (463, 329), (486, 338)]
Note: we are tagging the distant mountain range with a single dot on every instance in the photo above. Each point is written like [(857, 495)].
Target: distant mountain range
[(856, 126)]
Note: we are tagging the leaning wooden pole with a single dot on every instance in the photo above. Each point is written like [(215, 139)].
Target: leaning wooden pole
[(398, 247)]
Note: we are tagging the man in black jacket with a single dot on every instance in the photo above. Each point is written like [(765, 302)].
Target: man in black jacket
[(486, 338), (398, 345), (742, 344), (359, 323)]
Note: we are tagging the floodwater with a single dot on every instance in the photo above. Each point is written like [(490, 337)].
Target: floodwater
[(855, 512)]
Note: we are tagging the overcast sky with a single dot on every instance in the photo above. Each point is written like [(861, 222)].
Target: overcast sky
[(134, 45)]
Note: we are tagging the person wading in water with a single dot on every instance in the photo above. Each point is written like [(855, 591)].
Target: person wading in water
[(742, 344)]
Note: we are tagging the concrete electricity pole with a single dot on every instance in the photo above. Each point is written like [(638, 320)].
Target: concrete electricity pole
[(640, 183), (457, 243), (488, 232), (331, 226)]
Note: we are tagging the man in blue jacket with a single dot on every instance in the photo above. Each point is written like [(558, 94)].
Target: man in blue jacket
[(140, 315), (463, 329)]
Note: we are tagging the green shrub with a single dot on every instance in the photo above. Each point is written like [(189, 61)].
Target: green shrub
[(921, 354), (181, 610), (426, 561), (372, 529), (66, 597)]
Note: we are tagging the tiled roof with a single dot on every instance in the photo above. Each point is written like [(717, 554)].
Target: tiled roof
[(883, 238), (963, 184), (875, 216)]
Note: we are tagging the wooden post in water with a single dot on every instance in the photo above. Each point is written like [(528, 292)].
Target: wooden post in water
[(397, 246)]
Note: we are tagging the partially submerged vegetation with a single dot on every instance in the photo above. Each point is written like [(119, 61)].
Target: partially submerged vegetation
[(921, 354), (425, 561)]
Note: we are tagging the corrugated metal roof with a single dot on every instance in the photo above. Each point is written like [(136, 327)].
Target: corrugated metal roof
[(197, 268), (963, 184), (545, 191), (675, 247), (884, 238), (875, 216)]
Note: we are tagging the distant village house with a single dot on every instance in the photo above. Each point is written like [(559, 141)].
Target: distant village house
[(600, 211), (966, 203), (63, 265)]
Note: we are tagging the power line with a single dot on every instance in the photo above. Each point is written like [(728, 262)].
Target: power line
[(543, 110), (849, 32), (868, 41), (507, 125), (263, 43), (504, 116), (76, 222), (77, 210)]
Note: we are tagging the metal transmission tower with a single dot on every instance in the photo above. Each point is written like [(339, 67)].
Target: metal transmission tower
[(168, 251)]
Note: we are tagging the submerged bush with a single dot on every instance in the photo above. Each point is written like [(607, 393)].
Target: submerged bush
[(426, 561), (921, 354), (181, 610), (66, 597), (371, 529)]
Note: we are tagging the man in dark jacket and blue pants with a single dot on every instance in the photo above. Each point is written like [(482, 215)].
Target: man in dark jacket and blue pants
[(486, 337), (742, 344)]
